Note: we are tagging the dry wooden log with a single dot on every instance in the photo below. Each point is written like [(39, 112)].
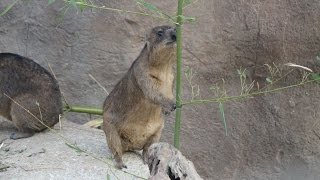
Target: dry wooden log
[(167, 163)]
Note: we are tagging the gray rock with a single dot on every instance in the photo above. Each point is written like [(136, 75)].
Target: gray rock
[(59, 154)]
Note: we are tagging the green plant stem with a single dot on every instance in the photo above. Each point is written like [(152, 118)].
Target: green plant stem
[(232, 98), (81, 109), (117, 10), (178, 76), (277, 80)]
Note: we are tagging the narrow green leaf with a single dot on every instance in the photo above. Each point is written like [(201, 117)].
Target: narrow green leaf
[(51, 1), (186, 2), (8, 8), (221, 109), (73, 3), (239, 72), (188, 71), (269, 80), (82, 5), (75, 147), (315, 76), (149, 6), (188, 18)]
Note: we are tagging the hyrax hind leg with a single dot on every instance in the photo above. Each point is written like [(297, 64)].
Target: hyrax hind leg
[(114, 143), (24, 121)]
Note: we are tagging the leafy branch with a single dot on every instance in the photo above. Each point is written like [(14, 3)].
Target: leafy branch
[(233, 98), (307, 78)]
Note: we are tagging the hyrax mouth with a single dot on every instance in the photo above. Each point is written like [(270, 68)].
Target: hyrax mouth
[(170, 42), (173, 37)]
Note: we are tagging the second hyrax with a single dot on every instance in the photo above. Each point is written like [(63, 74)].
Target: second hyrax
[(26, 86), (132, 113)]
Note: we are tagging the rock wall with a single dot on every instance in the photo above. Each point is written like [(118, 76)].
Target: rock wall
[(275, 136)]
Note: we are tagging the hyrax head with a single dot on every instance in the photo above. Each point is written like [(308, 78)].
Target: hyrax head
[(162, 36), (161, 42)]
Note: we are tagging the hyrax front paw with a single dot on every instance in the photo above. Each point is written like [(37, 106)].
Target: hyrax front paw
[(120, 165), (169, 108)]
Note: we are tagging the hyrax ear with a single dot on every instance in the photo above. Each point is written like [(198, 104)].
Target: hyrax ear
[(148, 45), (147, 42), (148, 38)]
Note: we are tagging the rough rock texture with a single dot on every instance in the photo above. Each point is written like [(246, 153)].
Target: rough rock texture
[(166, 162), (47, 156), (275, 136)]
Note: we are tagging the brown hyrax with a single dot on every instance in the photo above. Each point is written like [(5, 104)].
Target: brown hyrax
[(29, 86), (132, 113)]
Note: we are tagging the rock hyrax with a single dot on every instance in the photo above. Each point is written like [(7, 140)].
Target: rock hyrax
[(32, 87), (132, 113)]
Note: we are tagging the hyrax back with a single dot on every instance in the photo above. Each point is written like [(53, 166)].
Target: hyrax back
[(132, 113), (31, 87)]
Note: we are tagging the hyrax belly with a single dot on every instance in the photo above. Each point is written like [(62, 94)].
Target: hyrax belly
[(141, 124)]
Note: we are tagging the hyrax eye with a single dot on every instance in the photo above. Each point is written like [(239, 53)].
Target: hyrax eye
[(160, 33)]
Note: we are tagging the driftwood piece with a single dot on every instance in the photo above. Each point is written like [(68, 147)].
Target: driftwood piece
[(167, 163)]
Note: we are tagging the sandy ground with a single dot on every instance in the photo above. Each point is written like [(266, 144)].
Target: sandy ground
[(47, 156)]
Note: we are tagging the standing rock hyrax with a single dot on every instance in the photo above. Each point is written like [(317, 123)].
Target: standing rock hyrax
[(132, 113), (33, 88)]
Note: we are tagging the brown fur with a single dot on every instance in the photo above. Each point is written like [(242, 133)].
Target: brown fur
[(29, 84), (132, 118)]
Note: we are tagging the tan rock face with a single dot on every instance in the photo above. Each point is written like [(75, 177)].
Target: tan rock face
[(269, 138)]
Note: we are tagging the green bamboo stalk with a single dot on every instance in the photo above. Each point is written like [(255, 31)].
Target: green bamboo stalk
[(82, 109), (178, 76)]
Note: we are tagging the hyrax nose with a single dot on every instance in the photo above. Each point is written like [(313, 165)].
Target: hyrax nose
[(173, 34)]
